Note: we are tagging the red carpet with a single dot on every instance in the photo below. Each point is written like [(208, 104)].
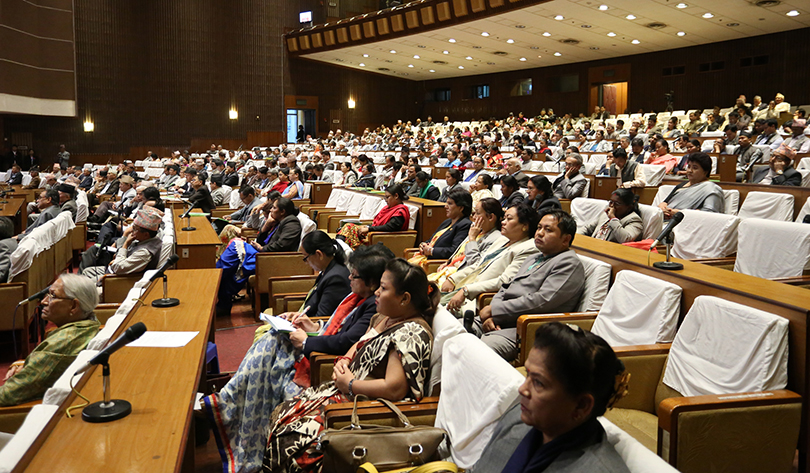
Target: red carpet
[(232, 344)]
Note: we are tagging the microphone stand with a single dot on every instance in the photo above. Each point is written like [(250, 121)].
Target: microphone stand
[(188, 227), (668, 265), (107, 410), (165, 301)]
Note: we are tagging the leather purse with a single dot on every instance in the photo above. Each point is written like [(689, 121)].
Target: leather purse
[(385, 447)]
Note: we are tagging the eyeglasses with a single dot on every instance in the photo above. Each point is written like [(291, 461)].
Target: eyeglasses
[(51, 295), (354, 276), (306, 258)]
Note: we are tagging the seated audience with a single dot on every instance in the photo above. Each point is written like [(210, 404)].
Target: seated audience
[(49, 208), (572, 377), (36, 180), (541, 197), (391, 362), (746, 154), (284, 233), (620, 222), (779, 171), (201, 197), (769, 136), (550, 282), (453, 180), (424, 189), (349, 175), (367, 178), (697, 193), (629, 172), (248, 197), (67, 194), (219, 195), (69, 305), (15, 176), (451, 232), (482, 187), (394, 217), (571, 183), (127, 187), (513, 168), (510, 192), (662, 157), (798, 141)]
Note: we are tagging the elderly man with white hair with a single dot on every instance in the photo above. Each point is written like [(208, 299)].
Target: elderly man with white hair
[(69, 305)]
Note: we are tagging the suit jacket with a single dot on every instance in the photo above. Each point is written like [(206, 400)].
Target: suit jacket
[(242, 214), (48, 214), (447, 190), (447, 244), (331, 287), (86, 183), (550, 203), (514, 199), (7, 247), (15, 179), (565, 188), (231, 180), (286, 237), (432, 193), (353, 328), (626, 229), (522, 179), (553, 284), (201, 199), (499, 270), (790, 177), (113, 189), (70, 206)]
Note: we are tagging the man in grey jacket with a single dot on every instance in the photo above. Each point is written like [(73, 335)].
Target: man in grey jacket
[(572, 183), (48, 204), (248, 196), (551, 282)]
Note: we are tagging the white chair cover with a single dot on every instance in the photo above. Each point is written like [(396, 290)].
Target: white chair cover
[(589, 168), (586, 210), (34, 422), (639, 310), (597, 281), (663, 192), (307, 225), (26, 179), (39, 240), (653, 174), (445, 327), (356, 202), (705, 235), (484, 387), (61, 388), (235, 201), (769, 249), (732, 198), (371, 208), (597, 160), (637, 457), (804, 211), (767, 205), (82, 206), (804, 163), (805, 177), (724, 348), (652, 220)]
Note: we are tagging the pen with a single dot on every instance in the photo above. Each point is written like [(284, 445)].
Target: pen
[(303, 312)]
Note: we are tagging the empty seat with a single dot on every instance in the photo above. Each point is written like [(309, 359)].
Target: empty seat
[(769, 249), (767, 205), (705, 235), (586, 210)]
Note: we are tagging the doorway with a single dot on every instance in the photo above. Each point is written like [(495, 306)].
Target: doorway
[(300, 117), (612, 96)]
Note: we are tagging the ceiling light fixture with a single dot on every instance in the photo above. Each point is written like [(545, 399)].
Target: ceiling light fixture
[(681, 5), (558, 54), (392, 51), (410, 65), (603, 7), (416, 56), (491, 63), (611, 34), (362, 65), (484, 34), (510, 41), (546, 34), (451, 40), (534, 47), (559, 17), (461, 67), (635, 41), (365, 55), (431, 70), (523, 59), (792, 13), (708, 15), (520, 26), (631, 17), (681, 33), (468, 58), (445, 52)]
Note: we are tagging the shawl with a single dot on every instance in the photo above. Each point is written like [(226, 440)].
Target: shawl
[(388, 212)]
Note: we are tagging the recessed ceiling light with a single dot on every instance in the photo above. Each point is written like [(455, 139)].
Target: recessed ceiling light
[(792, 13), (523, 59), (732, 24), (603, 7), (510, 41), (681, 33), (546, 34), (365, 55), (468, 58), (611, 34), (431, 70), (519, 26), (595, 48), (631, 17), (558, 54), (451, 40), (584, 26), (461, 67), (635, 41), (445, 52), (416, 56), (534, 47), (392, 51), (708, 15), (559, 17), (484, 33), (539, 56), (362, 65), (681, 5), (410, 65)]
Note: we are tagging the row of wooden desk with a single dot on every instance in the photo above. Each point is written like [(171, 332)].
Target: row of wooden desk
[(160, 383)]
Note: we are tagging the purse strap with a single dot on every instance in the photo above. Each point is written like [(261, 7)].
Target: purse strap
[(431, 467), (387, 403)]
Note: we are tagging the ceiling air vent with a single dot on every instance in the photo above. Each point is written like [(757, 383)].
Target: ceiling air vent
[(569, 41), (383, 69), (440, 62), (500, 53), (656, 25), (767, 3)]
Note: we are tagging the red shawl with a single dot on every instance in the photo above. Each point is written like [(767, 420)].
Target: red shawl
[(388, 212)]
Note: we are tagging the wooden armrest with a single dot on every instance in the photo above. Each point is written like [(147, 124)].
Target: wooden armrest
[(282, 298), (642, 350), (410, 253), (316, 361), (669, 409), (716, 261), (484, 299), (794, 281), (20, 408), (584, 320)]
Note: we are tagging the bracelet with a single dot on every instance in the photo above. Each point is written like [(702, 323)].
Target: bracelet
[(351, 393), (343, 358)]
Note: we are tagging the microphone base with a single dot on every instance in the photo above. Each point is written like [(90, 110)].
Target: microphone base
[(99, 412), (188, 229), (668, 265), (165, 302)]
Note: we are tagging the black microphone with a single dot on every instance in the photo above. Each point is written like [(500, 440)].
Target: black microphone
[(40, 295), (193, 204), (131, 334), (674, 221), (757, 159), (169, 263)]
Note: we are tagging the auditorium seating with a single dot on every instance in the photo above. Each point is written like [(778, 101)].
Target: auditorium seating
[(769, 249), (703, 235)]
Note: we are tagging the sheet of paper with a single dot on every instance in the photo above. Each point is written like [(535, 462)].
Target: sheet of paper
[(281, 325), (154, 339)]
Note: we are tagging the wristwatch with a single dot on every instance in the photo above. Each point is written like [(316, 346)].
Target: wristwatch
[(351, 392), (466, 292)]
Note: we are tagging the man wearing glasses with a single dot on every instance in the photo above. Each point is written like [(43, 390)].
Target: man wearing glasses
[(69, 305)]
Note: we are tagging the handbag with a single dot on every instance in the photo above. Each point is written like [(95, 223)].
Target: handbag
[(385, 447), (432, 467)]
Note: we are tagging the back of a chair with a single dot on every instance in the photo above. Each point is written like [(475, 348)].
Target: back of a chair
[(597, 282), (732, 198), (767, 205), (445, 326), (663, 192), (637, 457), (307, 225), (82, 206), (653, 174), (705, 235), (235, 201), (804, 211), (34, 423), (805, 177), (586, 210), (639, 310), (723, 347), (484, 387), (652, 221), (769, 249)]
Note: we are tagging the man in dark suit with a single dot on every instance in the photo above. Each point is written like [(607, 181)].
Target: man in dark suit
[(230, 177), (15, 176), (779, 171), (13, 156), (30, 161)]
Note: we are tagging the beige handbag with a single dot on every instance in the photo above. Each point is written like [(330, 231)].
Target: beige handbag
[(387, 448)]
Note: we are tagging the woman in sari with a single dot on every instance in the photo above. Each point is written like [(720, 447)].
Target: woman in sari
[(482, 187), (697, 193), (349, 175), (394, 217), (390, 361), (451, 233), (484, 232), (295, 189), (276, 367)]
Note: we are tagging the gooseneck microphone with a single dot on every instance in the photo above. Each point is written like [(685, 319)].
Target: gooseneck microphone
[(168, 264), (674, 221), (165, 301), (131, 334), (35, 297)]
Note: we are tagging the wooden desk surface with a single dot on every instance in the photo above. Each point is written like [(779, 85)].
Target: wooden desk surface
[(161, 384), (203, 235), (12, 206)]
